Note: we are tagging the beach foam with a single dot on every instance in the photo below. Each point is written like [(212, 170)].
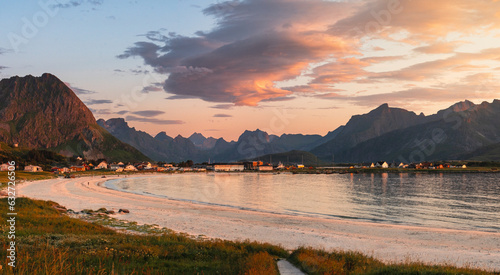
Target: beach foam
[(386, 242)]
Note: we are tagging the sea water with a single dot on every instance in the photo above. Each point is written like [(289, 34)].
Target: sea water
[(441, 200)]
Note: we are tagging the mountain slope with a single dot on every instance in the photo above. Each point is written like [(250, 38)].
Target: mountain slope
[(42, 112), (361, 128)]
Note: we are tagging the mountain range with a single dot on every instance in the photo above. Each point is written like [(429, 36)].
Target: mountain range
[(42, 112)]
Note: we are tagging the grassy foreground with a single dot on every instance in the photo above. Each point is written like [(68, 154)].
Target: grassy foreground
[(50, 242)]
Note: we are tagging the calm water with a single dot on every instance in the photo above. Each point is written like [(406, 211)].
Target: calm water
[(457, 201)]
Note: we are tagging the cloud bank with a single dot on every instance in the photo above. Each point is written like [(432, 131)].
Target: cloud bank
[(257, 44)]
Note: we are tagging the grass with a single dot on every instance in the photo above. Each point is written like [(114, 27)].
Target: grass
[(49, 242), (316, 262)]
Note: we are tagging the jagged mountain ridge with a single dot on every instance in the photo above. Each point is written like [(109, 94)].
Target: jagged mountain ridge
[(42, 112), (453, 133)]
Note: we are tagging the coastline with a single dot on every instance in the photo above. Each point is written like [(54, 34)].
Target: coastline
[(390, 243)]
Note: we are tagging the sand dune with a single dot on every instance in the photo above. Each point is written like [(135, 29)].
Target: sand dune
[(386, 242)]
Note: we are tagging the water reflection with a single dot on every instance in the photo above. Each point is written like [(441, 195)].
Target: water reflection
[(461, 201)]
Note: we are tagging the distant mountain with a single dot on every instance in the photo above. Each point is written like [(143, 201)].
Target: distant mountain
[(202, 142), (398, 135), (42, 112), (256, 143), (159, 148)]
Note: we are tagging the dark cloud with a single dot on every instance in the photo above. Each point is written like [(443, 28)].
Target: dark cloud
[(155, 87), (97, 101), (154, 120), (148, 113), (255, 44), (122, 112), (222, 115)]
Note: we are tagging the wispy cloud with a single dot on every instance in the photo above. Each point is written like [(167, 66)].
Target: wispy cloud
[(222, 115), (97, 101), (75, 3), (79, 91), (222, 106), (148, 113), (154, 120)]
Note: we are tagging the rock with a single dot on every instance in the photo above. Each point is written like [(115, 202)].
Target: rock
[(126, 211), (110, 212)]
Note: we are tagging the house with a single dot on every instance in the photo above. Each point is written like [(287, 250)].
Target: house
[(280, 166), (266, 168), (464, 166), (77, 168), (33, 168), (402, 165), (300, 166), (382, 164), (228, 167), (373, 165), (102, 165), (130, 168), (4, 167), (115, 167)]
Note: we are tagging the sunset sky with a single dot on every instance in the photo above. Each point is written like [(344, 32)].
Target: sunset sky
[(284, 66)]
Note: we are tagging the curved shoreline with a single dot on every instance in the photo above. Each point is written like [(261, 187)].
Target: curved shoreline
[(384, 241)]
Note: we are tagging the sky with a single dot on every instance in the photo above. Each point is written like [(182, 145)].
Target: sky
[(283, 66)]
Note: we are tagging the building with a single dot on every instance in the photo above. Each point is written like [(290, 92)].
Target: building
[(228, 167), (252, 165), (130, 168), (33, 168), (102, 165), (266, 168), (77, 168)]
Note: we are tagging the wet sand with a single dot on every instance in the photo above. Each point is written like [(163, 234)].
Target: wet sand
[(390, 243)]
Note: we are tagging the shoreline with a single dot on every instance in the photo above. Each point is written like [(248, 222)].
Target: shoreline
[(387, 242)]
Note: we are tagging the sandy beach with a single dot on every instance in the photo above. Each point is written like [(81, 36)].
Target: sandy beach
[(391, 243)]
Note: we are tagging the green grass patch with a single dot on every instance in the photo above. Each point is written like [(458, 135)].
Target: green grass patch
[(25, 176)]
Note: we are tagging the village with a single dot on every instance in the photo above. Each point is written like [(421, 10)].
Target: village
[(251, 166)]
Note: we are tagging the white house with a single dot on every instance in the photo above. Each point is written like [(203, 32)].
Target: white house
[(4, 167), (33, 168), (102, 165), (130, 168), (373, 165), (382, 164), (228, 167)]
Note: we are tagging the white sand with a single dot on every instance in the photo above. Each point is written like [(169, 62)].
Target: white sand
[(386, 242)]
